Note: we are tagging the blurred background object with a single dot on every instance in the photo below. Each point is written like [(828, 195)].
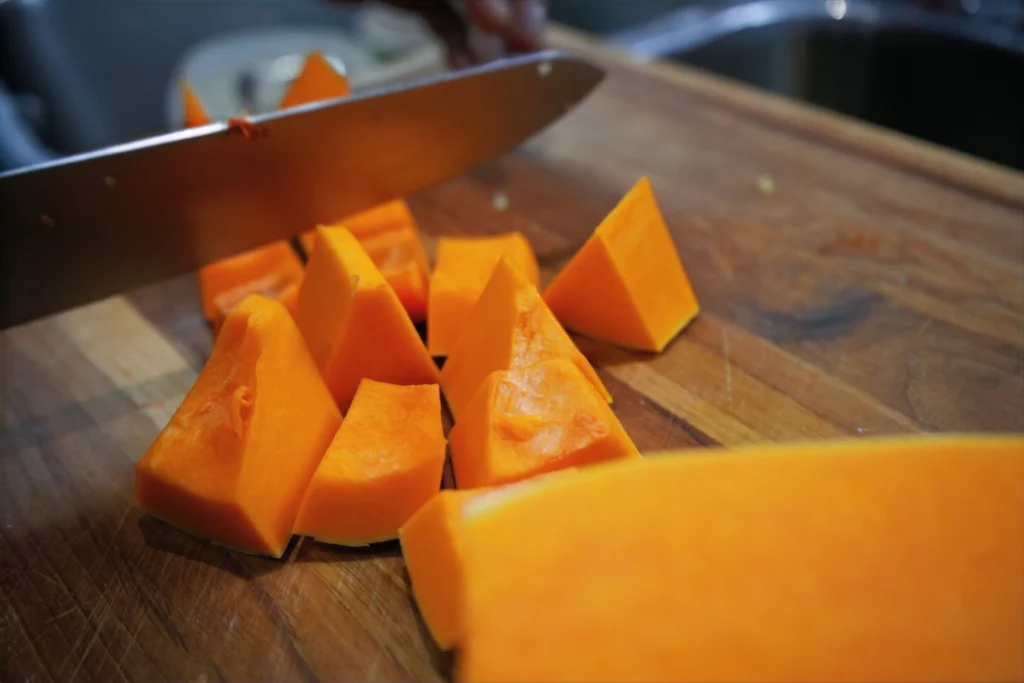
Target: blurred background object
[(76, 75)]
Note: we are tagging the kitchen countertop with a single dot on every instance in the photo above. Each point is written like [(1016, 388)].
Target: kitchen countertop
[(874, 285)]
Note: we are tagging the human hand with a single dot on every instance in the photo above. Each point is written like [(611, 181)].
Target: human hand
[(509, 25)]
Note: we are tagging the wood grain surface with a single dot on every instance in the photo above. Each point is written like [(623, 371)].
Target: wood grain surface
[(876, 288)]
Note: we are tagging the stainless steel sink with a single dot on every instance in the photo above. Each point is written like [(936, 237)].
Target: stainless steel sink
[(949, 80)]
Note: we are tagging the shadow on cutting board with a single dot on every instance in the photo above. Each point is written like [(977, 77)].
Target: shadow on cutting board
[(165, 538)]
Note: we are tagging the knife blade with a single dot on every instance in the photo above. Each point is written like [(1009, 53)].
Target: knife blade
[(86, 227)]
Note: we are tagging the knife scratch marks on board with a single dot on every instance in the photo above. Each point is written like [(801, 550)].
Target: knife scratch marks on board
[(728, 366), (113, 537), (133, 641), (103, 607), (722, 263), (384, 622)]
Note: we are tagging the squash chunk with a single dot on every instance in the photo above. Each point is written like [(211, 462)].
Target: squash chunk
[(194, 111), (234, 461), (403, 262), (268, 270), (461, 272), (384, 463), (389, 235), (290, 297), (317, 81), (891, 559), (531, 420), (626, 285), (393, 215), (510, 327), (430, 547), (353, 322)]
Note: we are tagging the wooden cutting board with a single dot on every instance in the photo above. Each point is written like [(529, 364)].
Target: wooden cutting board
[(874, 285)]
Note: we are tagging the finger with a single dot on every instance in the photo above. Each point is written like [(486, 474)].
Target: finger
[(527, 26), (490, 16), (520, 23), (486, 46)]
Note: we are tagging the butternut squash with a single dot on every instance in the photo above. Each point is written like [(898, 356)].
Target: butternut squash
[(626, 285), (430, 547), (194, 111), (895, 559), (527, 421), (389, 235), (384, 463), (317, 81), (353, 322), (234, 461), (268, 270), (509, 327), (289, 297), (403, 262), (462, 269), (393, 215)]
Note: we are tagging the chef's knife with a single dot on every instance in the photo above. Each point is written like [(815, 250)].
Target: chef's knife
[(86, 227)]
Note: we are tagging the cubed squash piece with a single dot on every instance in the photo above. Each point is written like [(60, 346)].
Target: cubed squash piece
[(236, 457), (626, 285), (389, 235), (268, 270), (509, 327), (531, 420), (353, 322), (897, 559), (318, 80), (384, 463), (402, 261), (290, 297), (393, 215), (194, 111), (463, 267), (430, 547)]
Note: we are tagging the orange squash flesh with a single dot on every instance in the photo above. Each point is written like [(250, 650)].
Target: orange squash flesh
[(290, 296), (430, 547), (402, 261), (393, 215), (895, 559), (269, 270), (235, 459), (195, 112), (461, 272), (626, 284), (527, 421), (384, 463), (510, 327), (389, 235), (317, 81), (353, 322)]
